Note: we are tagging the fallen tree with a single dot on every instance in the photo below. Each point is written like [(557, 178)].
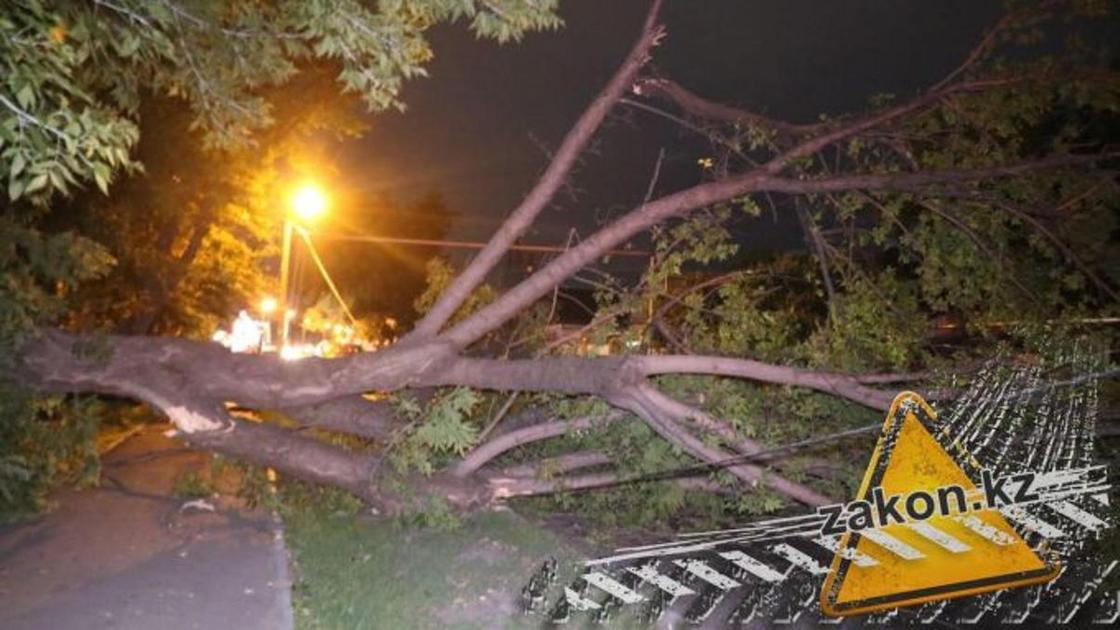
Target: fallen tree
[(891, 156)]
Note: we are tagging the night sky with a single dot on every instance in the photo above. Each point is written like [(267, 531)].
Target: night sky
[(478, 129)]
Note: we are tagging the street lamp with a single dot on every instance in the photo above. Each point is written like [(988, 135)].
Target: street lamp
[(308, 203), (268, 305)]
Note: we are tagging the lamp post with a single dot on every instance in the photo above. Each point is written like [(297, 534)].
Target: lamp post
[(308, 203)]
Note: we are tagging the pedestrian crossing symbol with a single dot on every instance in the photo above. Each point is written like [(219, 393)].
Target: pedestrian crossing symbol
[(964, 550)]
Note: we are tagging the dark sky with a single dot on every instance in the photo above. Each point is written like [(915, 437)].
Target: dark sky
[(478, 129)]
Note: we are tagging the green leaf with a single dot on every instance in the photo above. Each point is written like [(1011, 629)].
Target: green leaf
[(26, 97), (15, 189), (37, 183), (101, 176), (17, 165), (56, 180)]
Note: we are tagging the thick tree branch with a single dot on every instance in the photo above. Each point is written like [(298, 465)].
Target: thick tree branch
[(893, 377), (505, 486), (569, 375), (837, 384), (315, 461), (817, 136), (659, 411), (151, 367), (552, 179), (709, 110), (188, 381), (1060, 245), (907, 182), (372, 419), (987, 41), (492, 449), (758, 180), (302, 457), (560, 464), (129, 366)]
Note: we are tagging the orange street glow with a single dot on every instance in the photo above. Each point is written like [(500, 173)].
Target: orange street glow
[(309, 202)]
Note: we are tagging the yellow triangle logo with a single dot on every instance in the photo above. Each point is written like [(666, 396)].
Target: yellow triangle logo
[(942, 557)]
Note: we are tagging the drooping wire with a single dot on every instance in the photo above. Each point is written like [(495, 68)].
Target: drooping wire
[(749, 458), (326, 276), (761, 456)]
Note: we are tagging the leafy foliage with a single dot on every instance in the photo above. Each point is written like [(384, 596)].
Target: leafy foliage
[(440, 273), (76, 72), (44, 442), (441, 429), (205, 82), (196, 236), (192, 485)]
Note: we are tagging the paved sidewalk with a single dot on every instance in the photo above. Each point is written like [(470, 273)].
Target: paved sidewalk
[(126, 555)]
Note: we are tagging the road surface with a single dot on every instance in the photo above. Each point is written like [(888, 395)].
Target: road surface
[(127, 555)]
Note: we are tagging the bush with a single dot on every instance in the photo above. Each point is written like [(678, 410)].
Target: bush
[(44, 442)]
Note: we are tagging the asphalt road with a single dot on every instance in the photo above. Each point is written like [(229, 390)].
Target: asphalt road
[(127, 555)]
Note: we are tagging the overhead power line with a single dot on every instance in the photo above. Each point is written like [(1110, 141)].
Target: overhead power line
[(464, 244), (756, 457), (326, 276)]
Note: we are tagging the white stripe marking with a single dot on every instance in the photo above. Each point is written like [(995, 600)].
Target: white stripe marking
[(799, 558), (892, 544), (614, 587), (936, 535), (663, 582), (743, 561), (708, 574), (1083, 518), (990, 532), (1052, 478), (1032, 522), (577, 602), (832, 543)]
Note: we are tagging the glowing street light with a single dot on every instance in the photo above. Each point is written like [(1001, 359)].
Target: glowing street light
[(309, 202), (269, 305)]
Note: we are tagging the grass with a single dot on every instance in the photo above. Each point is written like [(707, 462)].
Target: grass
[(193, 485), (354, 572)]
